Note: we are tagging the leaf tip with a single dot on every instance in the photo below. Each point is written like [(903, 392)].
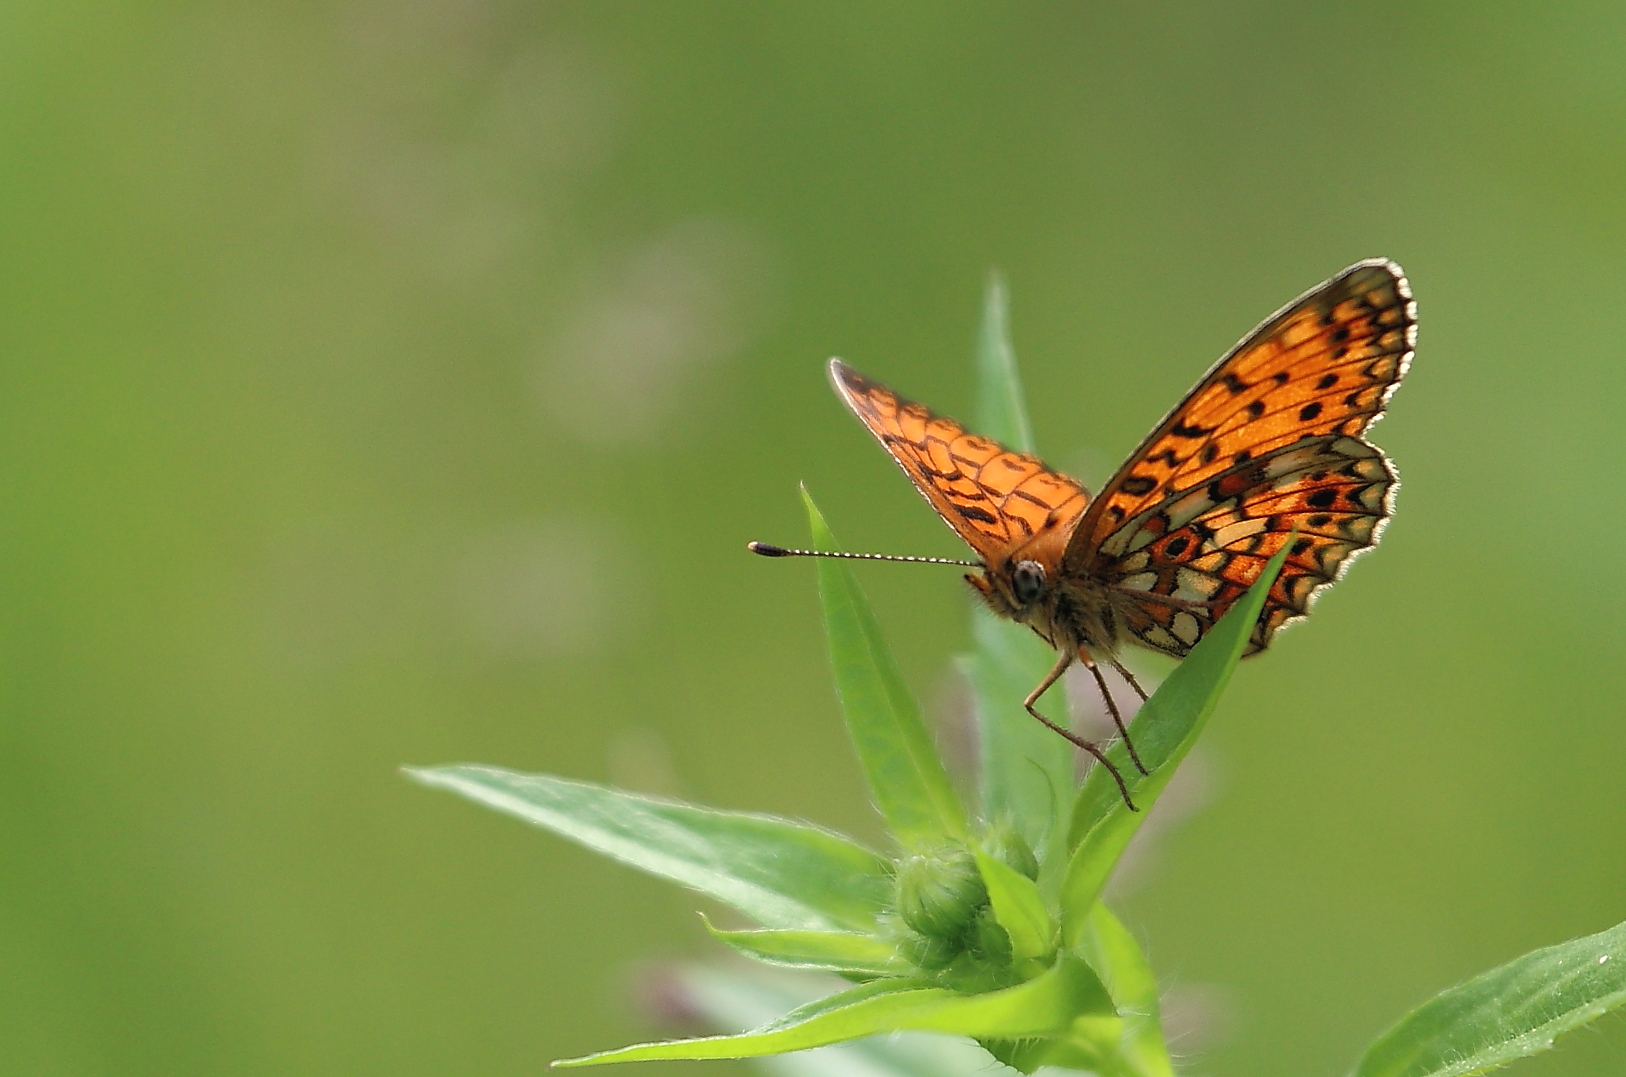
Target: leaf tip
[(823, 538), (995, 294)]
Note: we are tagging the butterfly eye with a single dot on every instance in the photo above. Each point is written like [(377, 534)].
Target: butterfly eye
[(1027, 580)]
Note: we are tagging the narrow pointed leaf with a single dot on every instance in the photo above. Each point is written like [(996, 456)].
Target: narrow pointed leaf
[(779, 872), (1026, 774), (1164, 731), (1026, 771), (733, 1000), (1002, 412), (906, 776), (1506, 1013), (1046, 1004), (1019, 908), (825, 951), (1118, 959)]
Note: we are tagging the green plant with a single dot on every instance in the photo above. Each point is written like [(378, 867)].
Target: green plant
[(989, 923)]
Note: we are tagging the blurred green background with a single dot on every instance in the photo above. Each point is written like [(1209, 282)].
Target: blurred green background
[(399, 381)]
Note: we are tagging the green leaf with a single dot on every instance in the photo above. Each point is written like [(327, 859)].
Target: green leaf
[(1117, 958), (1048, 1004), (779, 872), (1027, 771), (735, 999), (827, 951), (1164, 731), (1506, 1013), (845, 1015), (906, 777), (1026, 775), (1019, 908), (1001, 411)]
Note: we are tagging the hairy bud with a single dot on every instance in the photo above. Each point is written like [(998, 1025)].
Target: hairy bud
[(990, 940), (1007, 846), (930, 953), (939, 895)]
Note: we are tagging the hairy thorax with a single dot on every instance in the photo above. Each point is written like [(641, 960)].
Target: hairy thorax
[(1073, 613)]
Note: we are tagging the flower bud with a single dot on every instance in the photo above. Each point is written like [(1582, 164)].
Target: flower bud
[(939, 894), (1004, 844), (930, 953), (989, 939)]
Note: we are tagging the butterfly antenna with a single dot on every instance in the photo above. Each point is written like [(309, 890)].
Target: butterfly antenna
[(767, 549)]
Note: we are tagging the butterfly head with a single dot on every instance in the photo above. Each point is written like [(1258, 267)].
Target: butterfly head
[(1016, 587), (1031, 586)]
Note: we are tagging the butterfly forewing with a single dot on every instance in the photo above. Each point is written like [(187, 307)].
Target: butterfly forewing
[(995, 499), (1268, 442)]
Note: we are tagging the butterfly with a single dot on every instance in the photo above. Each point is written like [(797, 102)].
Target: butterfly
[(1267, 449)]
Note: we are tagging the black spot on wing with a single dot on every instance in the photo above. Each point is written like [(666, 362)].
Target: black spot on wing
[(1167, 457)]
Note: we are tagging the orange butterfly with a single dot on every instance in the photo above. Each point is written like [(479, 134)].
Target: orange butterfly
[(1268, 441)]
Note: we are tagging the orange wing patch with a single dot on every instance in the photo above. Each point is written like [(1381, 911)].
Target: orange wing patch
[(1268, 440), (995, 499)]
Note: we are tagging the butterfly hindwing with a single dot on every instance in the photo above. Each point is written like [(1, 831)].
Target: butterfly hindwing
[(1268, 441), (1328, 496), (995, 499)]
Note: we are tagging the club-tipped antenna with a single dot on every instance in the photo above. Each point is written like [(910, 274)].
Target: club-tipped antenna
[(768, 549)]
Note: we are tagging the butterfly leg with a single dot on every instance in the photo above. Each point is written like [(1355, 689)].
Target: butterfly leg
[(1112, 707), (1130, 677), (1033, 697)]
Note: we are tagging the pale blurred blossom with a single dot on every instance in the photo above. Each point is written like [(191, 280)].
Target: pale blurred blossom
[(685, 300)]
